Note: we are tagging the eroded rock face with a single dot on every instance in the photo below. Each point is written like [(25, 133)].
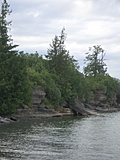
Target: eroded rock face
[(100, 100), (99, 97), (80, 109), (38, 96)]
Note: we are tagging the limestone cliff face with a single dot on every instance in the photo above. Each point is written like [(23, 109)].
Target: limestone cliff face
[(37, 96), (98, 98), (99, 102)]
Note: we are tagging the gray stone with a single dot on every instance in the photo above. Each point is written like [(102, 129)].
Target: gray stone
[(38, 96), (80, 109), (5, 120)]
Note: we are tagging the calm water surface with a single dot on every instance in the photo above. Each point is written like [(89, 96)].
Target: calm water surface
[(64, 138)]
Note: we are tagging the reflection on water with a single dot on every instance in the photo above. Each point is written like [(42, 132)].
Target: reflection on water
[(64, 138)]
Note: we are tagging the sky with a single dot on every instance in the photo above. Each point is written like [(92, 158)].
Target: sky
[(87, 23)]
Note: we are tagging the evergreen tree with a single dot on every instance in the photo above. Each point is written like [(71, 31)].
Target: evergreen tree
[(58, 56), (64, 67), (14, 83), (95, 61), (6, 44)]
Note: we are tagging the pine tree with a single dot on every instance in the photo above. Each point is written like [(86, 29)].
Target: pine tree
[(64, 66), (59, 58), (14, 83), (95, 61), (6, 43)]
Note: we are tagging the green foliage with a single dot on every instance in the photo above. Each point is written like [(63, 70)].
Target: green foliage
[(6, 44), (65, 67), (118, 90), (97, 83), (96, 76), (35, 78), (58, 56), (58, 75), (14, 83), (113, 87), (52, 91), (95, 62), (35, 67), (40, 77), (105, 83), (34, 61)]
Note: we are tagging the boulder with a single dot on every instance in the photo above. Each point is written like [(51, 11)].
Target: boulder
[(4, 120), (80, 109), (13, 118), (23, 106), (44, 109)]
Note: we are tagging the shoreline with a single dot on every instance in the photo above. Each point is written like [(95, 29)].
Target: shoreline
[(27, 115)]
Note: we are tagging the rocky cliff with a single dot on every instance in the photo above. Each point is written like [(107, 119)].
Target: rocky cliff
[(98, 103)]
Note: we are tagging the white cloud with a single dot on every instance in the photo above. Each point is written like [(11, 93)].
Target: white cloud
[(87, 23)]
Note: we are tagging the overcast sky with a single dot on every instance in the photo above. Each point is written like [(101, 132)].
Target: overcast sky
[(87, 23)]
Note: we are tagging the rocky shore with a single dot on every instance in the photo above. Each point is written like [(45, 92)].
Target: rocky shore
[(24, 114), (38, 109), (6, 120), (27, 113)]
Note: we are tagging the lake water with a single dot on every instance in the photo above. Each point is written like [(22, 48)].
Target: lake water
[(63, 138)]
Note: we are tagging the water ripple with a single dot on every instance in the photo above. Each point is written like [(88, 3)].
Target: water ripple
[(67, 138)]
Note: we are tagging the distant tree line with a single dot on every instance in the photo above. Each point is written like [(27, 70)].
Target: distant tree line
[(57, 74)]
